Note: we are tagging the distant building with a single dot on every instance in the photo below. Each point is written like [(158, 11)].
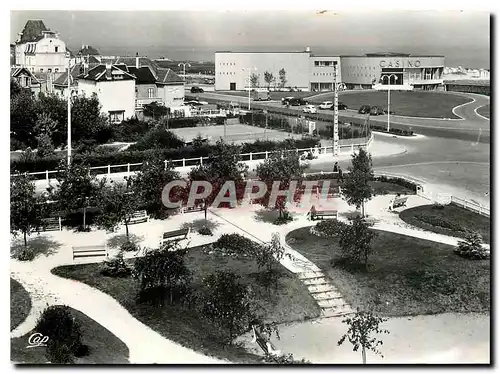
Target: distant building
[(39, 49), (60, 84), (469, 85), (25, 79)]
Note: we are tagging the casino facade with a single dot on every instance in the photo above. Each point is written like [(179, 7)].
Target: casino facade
[(310, 72)]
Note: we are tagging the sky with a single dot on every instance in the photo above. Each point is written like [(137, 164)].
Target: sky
[(462, 36)]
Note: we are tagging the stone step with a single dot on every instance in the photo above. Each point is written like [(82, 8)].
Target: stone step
[(311, 274), (326, 295), (315, 281), (320, 288), (331, 303), (338, 311)]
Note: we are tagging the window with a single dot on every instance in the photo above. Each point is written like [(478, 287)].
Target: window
[(41, 70), (151, 93), (49, 70), (56, 48), (56, 70), (116, 116)]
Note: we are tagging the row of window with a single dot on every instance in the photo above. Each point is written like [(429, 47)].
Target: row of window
[(227, 64), (227, 73), (49, 70), (325, 63), (330, 74)]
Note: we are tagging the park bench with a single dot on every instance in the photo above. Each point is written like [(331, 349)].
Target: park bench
[(195, 208), (51, 224), (266, 346), (90, 251), (175, 236), (398, 202), (139, 216), (324, 213)]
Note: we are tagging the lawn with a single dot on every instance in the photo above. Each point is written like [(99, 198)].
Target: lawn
[(413, 104), (105, 348), (274, 95), (484, 111), (385, 188), (183, 324), (406, 276), (449, 220), (20, 304)]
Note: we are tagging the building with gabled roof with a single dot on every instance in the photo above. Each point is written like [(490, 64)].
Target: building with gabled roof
[(25, 78)]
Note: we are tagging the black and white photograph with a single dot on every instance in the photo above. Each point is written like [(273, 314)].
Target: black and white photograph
[(258, 187)]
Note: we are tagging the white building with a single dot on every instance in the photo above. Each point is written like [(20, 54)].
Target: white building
[(115, 89), (39, 49)]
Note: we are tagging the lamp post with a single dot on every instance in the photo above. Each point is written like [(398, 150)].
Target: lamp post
[(69, 108), (335, 143), (389, 97), (184, 64), (249, 83)]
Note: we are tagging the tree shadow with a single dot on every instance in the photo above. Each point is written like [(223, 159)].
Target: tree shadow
[(200, 223), (353, 214), (266, 215), (118, 240), (38, 245)]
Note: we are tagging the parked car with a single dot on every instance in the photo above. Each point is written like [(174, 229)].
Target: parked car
[(376, 110), (286, 100), (261, 95), (392, 112), (364, 109), (310, 109), (297, 101), (196, 89), (342, 106), (326, 105)]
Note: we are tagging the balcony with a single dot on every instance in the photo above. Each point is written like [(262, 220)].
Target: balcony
[(425, 81), (139, 103)]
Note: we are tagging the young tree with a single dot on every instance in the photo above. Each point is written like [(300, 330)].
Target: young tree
[(355, 185), (226, 302), (149, 182), (161, 270), (282, 75), (283, 168), (25, 207), (45, 147), (87, 121), (155, 110), (361, 326), (472, 247), (254, 80), (116, 203), (268, 78), (355, 241), (267, 256), (52, 112)]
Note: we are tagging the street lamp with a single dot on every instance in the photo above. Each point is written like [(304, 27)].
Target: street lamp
[(68, 56), (389, 97), (249, 83), (184, 64)]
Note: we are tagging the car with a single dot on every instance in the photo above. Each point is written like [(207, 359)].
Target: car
[(326, 105), (309, 109), (341, 106), (376, 110), (392, 112), (286, 100), (364, 109), (196, 89), (297, 101)]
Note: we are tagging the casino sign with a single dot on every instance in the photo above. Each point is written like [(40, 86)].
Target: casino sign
[(400, 63)]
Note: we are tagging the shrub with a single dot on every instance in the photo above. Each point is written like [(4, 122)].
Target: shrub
[(284, 359), (116, 267), (158, 138), (439, 221), (283, 220), (235, 244), (398, 181), (129, 246), (472, 248), (59, 353), (205, 231), (61, 327), (329, 228), (26, 254)]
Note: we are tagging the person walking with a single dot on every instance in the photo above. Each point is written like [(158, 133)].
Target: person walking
[(336, 167)]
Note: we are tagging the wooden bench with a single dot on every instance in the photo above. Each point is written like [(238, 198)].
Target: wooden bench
[(398, 202), (175, 236), (90, 251), (139, 216), (51, 224), (195, 208), (264, 344), (324, 213)]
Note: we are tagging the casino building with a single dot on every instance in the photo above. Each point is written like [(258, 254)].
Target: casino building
[(308, 72)]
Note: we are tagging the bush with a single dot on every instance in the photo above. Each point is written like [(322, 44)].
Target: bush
[(399, 181), (129, 246), (116, 267), (284, 360), (329, 228), (283, 220), (62, 328), (157, 138), (205, 231), (26, 254), (59, 353), (439, 221), (472, 248), (235, 244)]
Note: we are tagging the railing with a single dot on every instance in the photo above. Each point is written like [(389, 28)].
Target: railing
[(469, 205), (139, 103)]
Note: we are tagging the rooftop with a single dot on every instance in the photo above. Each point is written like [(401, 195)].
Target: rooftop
[(100, 73), (88, 50), (33, 31)]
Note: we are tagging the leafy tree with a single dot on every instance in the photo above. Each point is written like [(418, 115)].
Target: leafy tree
[(149, 182), (23, 117), (268, 78), (45, 147), (355, 241), (155, 110), (226, 302), (254, 80), (267, 256), (158, 138), (198, 142), (472, 247), (78, 189), (282, 75), (283, 169), (161, 270), (52, 114), (116, 203), (15, 88), (361, 326), (87, 121), (25, 207), (355, 185)]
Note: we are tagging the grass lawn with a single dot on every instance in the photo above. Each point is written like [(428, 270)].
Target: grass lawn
[(484, 111), (184, 325), (105, 348), (20, 304), (406, 276), (450, 220), (274, 95), (414, 104), (385, 188)]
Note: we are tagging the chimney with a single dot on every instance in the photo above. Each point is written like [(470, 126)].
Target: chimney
[(308, 49), (137, 60)]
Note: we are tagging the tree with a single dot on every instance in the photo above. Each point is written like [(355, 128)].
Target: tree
[(78, 189), (45, 147), (52, 112), (282, 75), (268, 78), (355, 185), (254, 80), (472, 247), (282, 169), (23, 117), (149, 182), (116, 203), (158, 138), (155, 110), (25, 207), (355, 241), (87, 121), (161, 270), (226, 302), (361, 326), (267, 256)]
